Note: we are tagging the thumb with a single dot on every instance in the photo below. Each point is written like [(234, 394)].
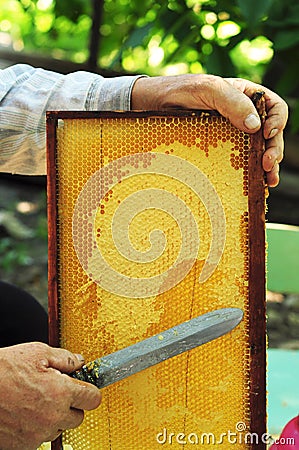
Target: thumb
[(64, 360), (237, 107)]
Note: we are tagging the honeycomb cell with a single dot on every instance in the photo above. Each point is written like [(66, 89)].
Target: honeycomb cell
[(207, 389)]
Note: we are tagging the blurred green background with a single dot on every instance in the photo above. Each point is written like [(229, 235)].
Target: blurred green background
[(256, 39)]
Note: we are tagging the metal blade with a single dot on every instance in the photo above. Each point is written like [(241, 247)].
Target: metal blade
[(181, 338)]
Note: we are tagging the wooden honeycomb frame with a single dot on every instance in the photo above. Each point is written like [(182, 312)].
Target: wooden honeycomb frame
[(202, 134)]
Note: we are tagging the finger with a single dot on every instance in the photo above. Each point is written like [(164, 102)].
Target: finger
[(204, 92), (273, 176), (273, 153), (277, 115), (233, 104), (276, 120), (84, 395), (73, 419), (52, 436), (238, 109), (221, 95), (63, 360), (276, 107)]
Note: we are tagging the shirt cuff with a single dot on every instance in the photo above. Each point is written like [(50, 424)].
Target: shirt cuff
[(111, 94)]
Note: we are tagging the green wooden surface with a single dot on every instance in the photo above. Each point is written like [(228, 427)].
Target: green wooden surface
[(283, 388), (283, 258), (283, 365)]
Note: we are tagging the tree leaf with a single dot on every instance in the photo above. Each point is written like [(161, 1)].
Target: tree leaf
[(282, 76), (133, 40), (219, 62), (286, 39), (254, 10), (136, 38), (295, 119)]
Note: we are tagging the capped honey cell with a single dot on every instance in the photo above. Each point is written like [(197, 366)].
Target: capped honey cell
[(152, 226)]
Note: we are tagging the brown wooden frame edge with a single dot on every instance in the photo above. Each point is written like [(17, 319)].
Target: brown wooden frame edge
[(256, 199), (53, 300), (257, 290)]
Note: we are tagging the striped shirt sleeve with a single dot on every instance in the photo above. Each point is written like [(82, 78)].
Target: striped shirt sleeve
[(26, 93)]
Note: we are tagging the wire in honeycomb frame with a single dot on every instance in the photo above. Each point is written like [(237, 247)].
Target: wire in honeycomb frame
[(155, 218)]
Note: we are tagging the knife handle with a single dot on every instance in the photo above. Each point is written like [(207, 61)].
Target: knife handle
[(90, 373)]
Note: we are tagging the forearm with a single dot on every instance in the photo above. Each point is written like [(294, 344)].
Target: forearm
[(27, 93)]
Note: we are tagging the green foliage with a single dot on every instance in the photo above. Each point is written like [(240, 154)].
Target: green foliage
[(254, 11), (13, 254), (60, 28), (256, 39)]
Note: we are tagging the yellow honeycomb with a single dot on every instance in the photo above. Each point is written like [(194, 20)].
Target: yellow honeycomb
[(153, 231)]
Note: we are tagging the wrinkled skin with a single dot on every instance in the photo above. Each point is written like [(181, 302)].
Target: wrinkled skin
[(37, 399), (230, 97)]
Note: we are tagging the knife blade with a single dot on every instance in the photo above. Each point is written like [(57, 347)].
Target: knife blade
[(151, 351)]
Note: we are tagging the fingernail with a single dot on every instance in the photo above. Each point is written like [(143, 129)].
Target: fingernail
[(273, 133), (252, 122), (80, 357)]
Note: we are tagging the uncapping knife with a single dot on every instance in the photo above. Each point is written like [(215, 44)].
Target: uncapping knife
[(125, 362)]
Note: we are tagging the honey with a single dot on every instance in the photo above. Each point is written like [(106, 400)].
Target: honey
[(152, 230)]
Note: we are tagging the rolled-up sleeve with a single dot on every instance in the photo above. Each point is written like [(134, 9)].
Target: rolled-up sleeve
[(26, 93)]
